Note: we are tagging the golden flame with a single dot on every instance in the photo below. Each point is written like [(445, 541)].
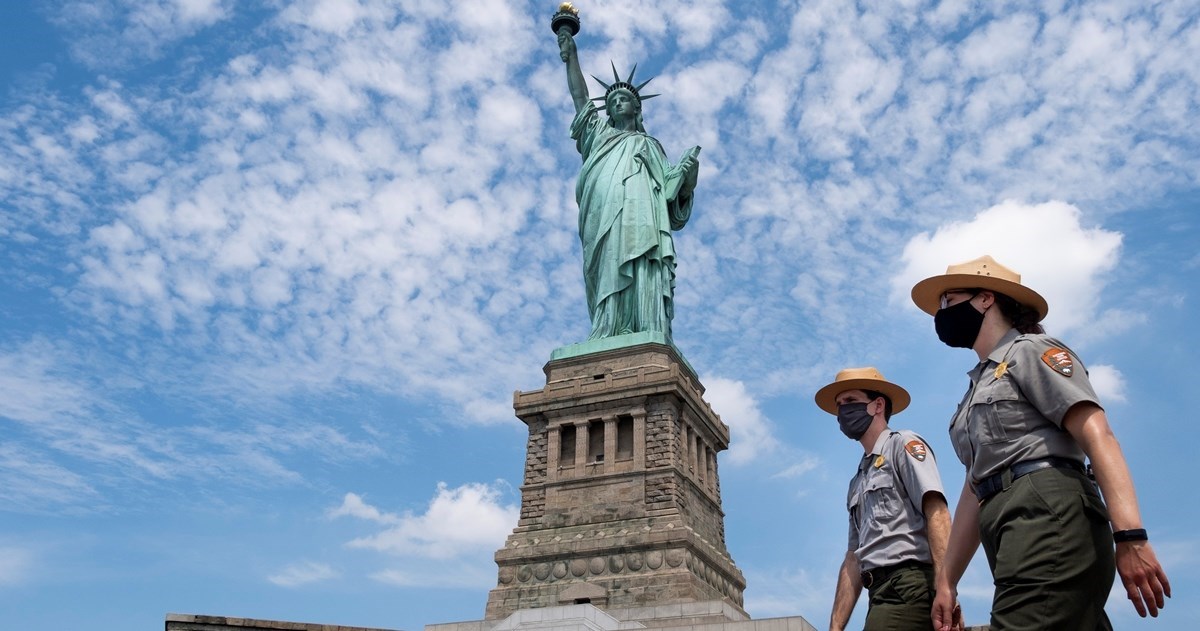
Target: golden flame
[(567, 7)]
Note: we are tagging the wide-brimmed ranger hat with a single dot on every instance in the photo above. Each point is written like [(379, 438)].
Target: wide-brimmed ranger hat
[(867, 378), (981, 273)]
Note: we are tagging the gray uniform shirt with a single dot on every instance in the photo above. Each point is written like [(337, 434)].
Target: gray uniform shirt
[(1014, 407), (887, 523)]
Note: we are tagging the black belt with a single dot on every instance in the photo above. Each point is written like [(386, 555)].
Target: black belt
[(995, 483), (880, 574)]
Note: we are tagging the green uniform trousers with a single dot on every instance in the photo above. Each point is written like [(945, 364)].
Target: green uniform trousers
[(902, 601), (1050, 547)]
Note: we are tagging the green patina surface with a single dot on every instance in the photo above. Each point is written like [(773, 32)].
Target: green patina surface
[(615, 342), (630, 198)]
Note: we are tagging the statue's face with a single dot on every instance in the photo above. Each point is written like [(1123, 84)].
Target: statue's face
[(622, 105)]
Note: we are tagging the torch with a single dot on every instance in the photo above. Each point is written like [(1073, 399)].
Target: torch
[(565, 20)]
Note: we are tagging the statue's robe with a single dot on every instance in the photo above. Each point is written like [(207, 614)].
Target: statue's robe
[(630, 198)]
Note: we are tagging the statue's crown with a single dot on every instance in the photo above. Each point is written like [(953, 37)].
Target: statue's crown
[(626, 85)]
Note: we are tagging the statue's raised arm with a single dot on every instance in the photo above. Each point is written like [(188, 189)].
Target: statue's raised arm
[(565, 25), (630, 199)]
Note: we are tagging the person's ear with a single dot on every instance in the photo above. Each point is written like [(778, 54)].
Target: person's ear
[(986, 299)]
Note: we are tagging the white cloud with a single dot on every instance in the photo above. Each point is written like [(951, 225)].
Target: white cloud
[(805, 464), (364, 199), (784, 592), (30, 481), (112, 33), (1057, 256), (354, 506), (304, 573), (999, 46), (458, 521), (31, 392), (1108, 382), (76, 447), (751, 432), (471, 574), (1112, 322)]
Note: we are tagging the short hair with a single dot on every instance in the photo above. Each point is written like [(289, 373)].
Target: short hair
[(887, 402)]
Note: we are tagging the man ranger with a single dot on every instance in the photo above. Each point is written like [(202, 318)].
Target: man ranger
[(899, 522)]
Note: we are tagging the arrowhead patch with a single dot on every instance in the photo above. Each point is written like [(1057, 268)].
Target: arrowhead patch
[(916, 449), (1059, 360)]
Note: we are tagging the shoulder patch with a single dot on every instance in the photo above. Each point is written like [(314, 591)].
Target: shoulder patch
[(1059, 360), (916, 449)]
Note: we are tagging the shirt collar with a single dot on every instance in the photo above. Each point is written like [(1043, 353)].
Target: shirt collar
[(998, 353), (883, 436)]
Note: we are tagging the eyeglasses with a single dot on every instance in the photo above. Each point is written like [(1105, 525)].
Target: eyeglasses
[(944, 300)]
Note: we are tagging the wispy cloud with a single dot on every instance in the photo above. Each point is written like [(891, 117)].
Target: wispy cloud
[(75, 445), (113, 33), (356, 206), (469, 574), (784, 592), (304, 573), (31, 481)]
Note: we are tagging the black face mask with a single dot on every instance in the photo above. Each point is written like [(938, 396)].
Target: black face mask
[(853, 419), (958, 325)]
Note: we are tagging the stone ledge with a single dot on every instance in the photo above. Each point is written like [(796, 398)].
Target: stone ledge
[(193, 622)]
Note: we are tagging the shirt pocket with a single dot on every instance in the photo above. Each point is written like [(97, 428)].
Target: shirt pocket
[(880, 496), (997, 412)]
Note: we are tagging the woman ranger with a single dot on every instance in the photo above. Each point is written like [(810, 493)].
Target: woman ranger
[(1028, 420)]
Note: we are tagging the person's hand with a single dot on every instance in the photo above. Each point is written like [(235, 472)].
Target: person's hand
[(566, 44), (1144, 579), (947, 614)]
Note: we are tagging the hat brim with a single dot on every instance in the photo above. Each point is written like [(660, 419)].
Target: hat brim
[(826, 397), (927, 294)]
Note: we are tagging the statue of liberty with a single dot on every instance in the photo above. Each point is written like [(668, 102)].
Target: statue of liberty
[(630, 199)]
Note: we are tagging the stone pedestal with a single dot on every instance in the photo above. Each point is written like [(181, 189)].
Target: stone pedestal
[(621, 502)]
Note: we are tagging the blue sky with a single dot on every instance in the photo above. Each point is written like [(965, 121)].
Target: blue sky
[(270, 273)]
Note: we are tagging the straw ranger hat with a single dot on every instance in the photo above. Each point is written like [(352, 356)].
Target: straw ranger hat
[(867, 378), (983, 273)]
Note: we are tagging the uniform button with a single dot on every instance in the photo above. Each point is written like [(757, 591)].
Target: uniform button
[(989, 399)]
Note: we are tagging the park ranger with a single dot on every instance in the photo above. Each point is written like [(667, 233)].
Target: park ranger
[(1024, 427), (899, 522)]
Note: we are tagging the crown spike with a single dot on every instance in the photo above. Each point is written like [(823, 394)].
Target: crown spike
[(619, 84), (649, 96)]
